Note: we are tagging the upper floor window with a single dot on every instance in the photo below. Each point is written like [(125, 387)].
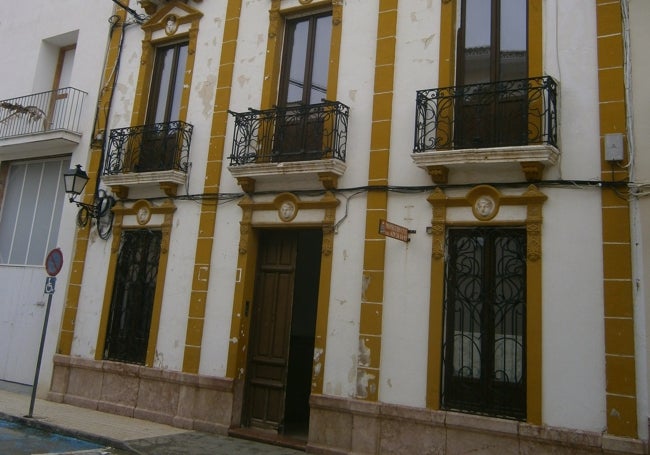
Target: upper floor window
[(492, 42), (492, 48), (63, 73), (167, 83), (306, 60)]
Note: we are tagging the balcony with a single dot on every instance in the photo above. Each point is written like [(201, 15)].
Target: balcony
[(306, 142), (156, 153), (40, 124), (503, 123)]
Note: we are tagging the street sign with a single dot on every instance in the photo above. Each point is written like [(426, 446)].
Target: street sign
[(54, 262), (50, 284), (395, 231)]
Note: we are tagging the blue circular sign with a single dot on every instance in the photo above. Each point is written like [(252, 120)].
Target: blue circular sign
[(54, 262)]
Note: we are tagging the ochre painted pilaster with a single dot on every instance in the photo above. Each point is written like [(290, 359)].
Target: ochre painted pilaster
[(92, 166), (208, 216), (620, 365), (438, 200), (372, 295)]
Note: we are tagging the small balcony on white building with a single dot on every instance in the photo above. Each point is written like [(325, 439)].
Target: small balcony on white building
[(41, 124), (289, 146), (506, 123), (153, 154)]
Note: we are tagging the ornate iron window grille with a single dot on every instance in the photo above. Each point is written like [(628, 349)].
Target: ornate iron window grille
[(499, 114), (149, 148), (484, 349), (127, 334), (55, 110), (291, 133)]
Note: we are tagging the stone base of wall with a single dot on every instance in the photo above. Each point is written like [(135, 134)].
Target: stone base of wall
[(337, 425), (180, 399), (342, 426)]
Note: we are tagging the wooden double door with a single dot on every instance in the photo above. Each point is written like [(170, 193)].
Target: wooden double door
[(283, 325)]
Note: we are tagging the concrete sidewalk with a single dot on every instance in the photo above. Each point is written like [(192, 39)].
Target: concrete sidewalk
[(124, 434)]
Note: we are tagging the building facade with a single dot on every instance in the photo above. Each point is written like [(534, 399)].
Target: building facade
[(50, 84), (369, 227)]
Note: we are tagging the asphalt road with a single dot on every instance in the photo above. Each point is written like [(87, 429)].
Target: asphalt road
[(18, 439)]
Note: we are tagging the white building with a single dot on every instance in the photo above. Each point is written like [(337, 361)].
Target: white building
[(249, 283), (53, 53)]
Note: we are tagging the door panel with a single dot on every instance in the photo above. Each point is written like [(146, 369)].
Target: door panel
[(270, 329), (283, 326)]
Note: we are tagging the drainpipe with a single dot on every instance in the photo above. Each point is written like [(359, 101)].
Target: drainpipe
[(636, 239)]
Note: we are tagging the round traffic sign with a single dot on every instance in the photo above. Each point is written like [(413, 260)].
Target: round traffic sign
[(54, 262)]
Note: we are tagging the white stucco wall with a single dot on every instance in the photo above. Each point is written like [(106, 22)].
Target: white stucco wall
[(32, 31)]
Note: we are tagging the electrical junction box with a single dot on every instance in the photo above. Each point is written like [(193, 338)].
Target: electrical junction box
[(614, 147)]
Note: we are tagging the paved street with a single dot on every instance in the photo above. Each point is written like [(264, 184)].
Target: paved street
[(19, 439), (108, 434)]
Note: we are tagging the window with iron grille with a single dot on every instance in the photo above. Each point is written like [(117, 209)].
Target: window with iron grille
[(134, 289), (484, 348)]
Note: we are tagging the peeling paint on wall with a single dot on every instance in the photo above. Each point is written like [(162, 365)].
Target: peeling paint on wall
[(364, 384), (364, 353), (206, 91), (203, 273), (427, 40), (364, 285), (159, 361), (243, 80), (352, 373)]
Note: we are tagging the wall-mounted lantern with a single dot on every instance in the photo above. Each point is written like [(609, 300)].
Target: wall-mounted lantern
[(75, 181)]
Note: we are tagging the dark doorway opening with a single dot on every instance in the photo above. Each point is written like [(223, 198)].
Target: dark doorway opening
[(283, 326)]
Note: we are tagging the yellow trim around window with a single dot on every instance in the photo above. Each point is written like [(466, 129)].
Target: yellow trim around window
[(272, 66), (153, 38), (533, 200), (166, 209), (447, 67)]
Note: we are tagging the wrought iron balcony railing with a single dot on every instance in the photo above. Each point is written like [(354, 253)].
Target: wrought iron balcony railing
[(501, 114), (149, 148), (55, 110), (294, 133)]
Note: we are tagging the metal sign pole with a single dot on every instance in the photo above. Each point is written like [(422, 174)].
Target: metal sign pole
[(49, 289)]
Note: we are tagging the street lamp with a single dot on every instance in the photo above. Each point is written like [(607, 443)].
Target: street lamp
[(75, 181)]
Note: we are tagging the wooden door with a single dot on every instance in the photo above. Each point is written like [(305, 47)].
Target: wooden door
[(283, 320), (270, 329)]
